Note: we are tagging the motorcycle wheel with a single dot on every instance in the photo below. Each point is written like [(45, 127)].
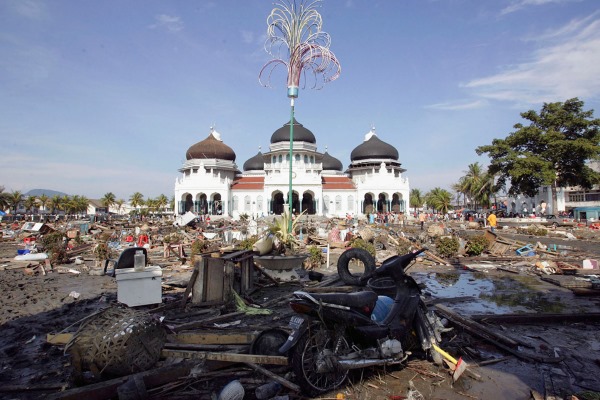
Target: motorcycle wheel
[(314, 352), (343, 265)]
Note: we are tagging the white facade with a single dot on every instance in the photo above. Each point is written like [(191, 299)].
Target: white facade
[(214, 186)]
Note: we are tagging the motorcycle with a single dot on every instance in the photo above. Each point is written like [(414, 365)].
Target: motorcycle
[(334, 333)]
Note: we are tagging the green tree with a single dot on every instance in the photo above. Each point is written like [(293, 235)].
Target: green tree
[(119, 203), (43, 201), (136, 199), (161, 202), (108, 200), (461, 188), (4, 199), (30, 203), (14, 199), (55, 203), (440, 199), (553, 150), (415, 199)]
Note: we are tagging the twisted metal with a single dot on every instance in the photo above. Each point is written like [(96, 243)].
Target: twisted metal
[(296, 31)]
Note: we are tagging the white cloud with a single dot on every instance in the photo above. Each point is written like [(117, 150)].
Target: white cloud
[(168, 22), (567, 66), (458, 105), (29, 8), (520, 4)]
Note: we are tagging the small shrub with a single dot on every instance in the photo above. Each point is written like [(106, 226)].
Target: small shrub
[(315, 258), (248, 243), (359, 243), (477, 245), (533, 231), (447, 246)]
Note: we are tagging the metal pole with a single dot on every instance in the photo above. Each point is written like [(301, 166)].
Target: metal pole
[(290, 196)]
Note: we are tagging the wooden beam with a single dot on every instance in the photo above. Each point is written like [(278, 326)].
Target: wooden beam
[(229, 357), (275, 377), (213, 338), (108, 389), (536, 318)]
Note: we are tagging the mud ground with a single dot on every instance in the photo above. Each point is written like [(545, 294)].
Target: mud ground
[(33, 305)]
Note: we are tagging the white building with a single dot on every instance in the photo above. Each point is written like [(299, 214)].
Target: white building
[(210, 182)]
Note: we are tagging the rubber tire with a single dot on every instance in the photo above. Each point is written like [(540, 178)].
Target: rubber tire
[(299, 353), (352, 253)]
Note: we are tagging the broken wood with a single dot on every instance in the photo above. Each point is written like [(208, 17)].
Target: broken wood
[(227, 357), (108, 389), (536, 318), (59, 339), (275, 377), (213, 338), (492, 337), (191, 283), (474, 326)]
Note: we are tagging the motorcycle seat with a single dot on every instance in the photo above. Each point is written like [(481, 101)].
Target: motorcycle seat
[(355, 299)]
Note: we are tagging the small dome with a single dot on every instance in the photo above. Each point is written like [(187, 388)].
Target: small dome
[(331, 163), (301, 134), (256, 163), (373, 147), (211, 147)]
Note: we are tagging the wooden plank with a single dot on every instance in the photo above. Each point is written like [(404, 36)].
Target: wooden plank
[(536, 318), (275, 377), (228, 357), (59, 339), (214, 338), (475, 326), (192, 281), (108, 389)]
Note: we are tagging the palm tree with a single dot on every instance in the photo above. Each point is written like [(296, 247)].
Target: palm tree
[(136, 199), (108, 200), (4, 199), (415, 199), (55, 203), (151, 204), (460, 187), (43, 201), (161, 202), (487, 190), (14, 199), (119, 203), (440, 199), (30, 203), (473, 180)]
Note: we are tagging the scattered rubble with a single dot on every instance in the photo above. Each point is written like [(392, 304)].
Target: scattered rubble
[(221, 315)]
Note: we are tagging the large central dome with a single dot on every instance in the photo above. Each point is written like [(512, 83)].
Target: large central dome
[(211, 147), (301, 134), (374, 148)]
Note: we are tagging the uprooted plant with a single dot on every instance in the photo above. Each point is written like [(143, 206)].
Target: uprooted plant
[(285, 240)]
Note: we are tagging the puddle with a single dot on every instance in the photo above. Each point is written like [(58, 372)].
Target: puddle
[(502, 295)]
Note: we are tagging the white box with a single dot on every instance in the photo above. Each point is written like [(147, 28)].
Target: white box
[(138, 288)]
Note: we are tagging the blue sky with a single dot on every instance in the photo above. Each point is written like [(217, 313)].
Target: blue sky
[(107, 96)]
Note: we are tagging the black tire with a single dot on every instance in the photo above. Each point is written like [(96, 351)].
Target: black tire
[(343, 264), (308, 355)]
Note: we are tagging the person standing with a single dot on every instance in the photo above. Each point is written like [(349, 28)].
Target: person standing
[(422, 218), (492, 221)]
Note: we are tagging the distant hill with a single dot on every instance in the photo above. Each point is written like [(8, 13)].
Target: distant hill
[(47, 192)]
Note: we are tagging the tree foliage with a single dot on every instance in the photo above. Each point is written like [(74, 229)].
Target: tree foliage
[(440, 199), (415, 199), (552, 150)]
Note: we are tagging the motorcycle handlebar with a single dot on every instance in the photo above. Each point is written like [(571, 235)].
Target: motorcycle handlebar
[(409, 257)]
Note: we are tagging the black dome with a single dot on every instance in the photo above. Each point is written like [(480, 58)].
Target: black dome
[(211, 147), (331, 163), (255, 163), (374, 148), (301, 134)]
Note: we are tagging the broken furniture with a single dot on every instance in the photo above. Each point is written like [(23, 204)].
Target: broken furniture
[(125, 259), (218, 275)]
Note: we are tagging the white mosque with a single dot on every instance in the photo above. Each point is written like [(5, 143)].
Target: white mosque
[(211, 183)]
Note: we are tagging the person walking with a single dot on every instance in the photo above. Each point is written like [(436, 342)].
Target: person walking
[(492, 221), (422, 218)]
